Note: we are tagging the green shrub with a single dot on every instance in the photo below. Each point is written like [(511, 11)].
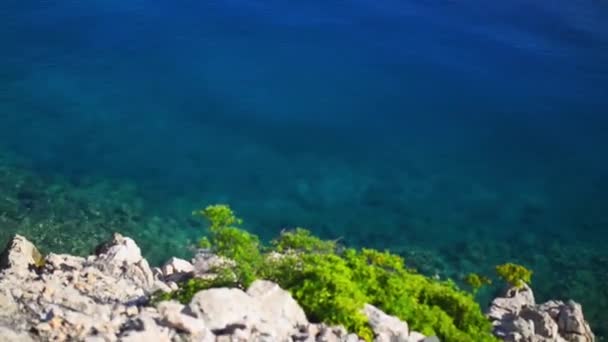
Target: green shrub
[(226, 239), (332, 284), (476, 281), (302, 241), (515, 275)]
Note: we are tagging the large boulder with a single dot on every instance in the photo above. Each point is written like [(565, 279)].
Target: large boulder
[(276, 304), (265, 310), (224, 309)]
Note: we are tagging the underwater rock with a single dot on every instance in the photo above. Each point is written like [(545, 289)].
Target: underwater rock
[(516, 317)]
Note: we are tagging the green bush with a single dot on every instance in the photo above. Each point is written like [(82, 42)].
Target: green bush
[(476, 281), (332, 284), (226, 239), (301, 240), (515, 275)]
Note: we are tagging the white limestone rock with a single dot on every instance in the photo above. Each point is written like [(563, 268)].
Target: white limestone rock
[(172, 314), (517, 318), (177, 268), (386, 328), (222, 308), (19, 255), (276, 304), (572, 325)]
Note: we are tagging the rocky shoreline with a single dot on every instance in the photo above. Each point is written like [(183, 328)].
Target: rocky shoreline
[(106, 297)]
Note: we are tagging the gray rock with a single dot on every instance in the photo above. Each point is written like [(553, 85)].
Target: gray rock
[(63, 262), (19, 255), (415, 337), (9, 335), (387, 328), (543, 324), (219, 308), (172, 315), (121, 257), (205, 263), (517, 318), (264, 313), (159, 285), (324, 333), (8, 305), (431, 339), (351, 338), (512, 301), (145, 329), (72, 298), (176, 265), (276, 304), (572, 324), (520, 330), (120, 250), (552, 307)]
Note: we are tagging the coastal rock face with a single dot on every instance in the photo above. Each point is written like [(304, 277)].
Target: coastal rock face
[(517, 318), (105, 297)]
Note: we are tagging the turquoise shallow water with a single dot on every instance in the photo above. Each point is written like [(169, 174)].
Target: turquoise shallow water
[(459, 134)]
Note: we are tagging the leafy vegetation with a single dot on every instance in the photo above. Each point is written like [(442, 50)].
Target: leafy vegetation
[(229, 241), (476, 281), (515, 275), (332, 283)]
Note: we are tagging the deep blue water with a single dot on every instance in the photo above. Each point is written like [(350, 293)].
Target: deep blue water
[(388, 123)]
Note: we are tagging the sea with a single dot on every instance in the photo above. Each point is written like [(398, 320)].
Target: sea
[(458, 134)]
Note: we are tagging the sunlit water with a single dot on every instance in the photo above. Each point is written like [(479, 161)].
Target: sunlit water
[(394, 124)]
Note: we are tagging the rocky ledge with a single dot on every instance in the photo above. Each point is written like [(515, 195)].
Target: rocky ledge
[(106, 297), (516, 317)]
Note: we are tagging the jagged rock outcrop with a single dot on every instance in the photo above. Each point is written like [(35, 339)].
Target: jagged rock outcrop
[(517, 318), (105, 297)]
